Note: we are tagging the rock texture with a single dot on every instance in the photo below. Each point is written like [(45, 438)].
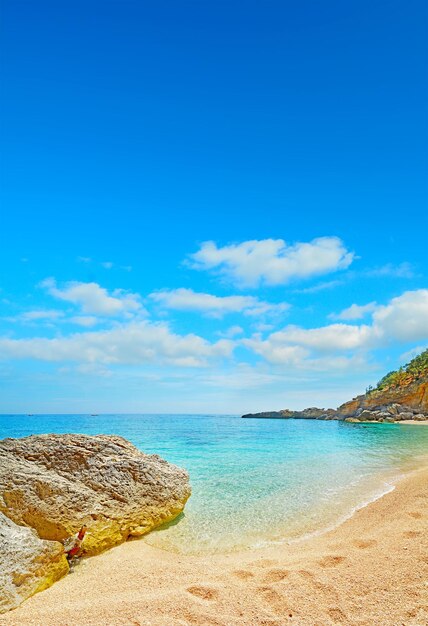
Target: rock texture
[(386, 413), (56, 483), (27, 564)]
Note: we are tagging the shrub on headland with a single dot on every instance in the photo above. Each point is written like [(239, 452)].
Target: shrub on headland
[(416, 369)]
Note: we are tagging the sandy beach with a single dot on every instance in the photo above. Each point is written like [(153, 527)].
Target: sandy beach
[(372, 569)]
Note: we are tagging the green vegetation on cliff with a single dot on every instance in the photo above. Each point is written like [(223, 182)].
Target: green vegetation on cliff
[(416, 370)]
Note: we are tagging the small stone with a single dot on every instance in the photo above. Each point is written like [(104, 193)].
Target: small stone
[(420, 417), (367, 415), (406, 416)]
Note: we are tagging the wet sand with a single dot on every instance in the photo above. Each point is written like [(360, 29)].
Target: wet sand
[(372, 570)]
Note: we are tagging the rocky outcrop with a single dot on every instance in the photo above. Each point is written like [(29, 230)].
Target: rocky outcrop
[(27, 564), (387, 413), (406, 387), (56, 483), (400, 395), (310, 413), (354, 412), (414, 396)]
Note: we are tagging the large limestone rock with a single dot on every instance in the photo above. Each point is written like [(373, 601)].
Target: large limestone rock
[(27, 564), (57, 483)]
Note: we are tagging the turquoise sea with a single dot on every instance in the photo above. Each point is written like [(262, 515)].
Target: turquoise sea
[(255, 481)]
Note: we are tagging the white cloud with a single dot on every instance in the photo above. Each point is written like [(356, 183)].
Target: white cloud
[(242, 377), (403, 270), (84, 320), (262, 328), (327, 338), (134, 343), (189, 300), (314, 354), (321, 287), (94, 299), (47, 314), (108, 265), (272, 261), (293, 344), (276, 352), (403, 319), (52, 315), (354, 312), (231, 332), (93, 369)]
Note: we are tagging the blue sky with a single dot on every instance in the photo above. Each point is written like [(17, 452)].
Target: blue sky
[(195, 195)]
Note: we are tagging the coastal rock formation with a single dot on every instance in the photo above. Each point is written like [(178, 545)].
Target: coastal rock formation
[(400, 395), (310, 413), (387, 413), (414, 396), (56, 483), (27, 564)]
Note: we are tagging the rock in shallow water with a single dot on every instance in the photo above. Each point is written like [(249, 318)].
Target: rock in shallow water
[(57, 483)]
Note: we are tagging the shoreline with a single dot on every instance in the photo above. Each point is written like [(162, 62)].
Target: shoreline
[(370, 569), (404, 422)]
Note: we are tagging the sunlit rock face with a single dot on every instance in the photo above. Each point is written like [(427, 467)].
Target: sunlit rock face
[(27, 564), (57, 483), (413, 396), (54, 484)]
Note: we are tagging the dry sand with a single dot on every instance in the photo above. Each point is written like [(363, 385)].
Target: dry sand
[(372, 570)]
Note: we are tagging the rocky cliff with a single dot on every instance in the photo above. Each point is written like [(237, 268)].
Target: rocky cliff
[(413, 396), (54, 484), (400, 395)]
